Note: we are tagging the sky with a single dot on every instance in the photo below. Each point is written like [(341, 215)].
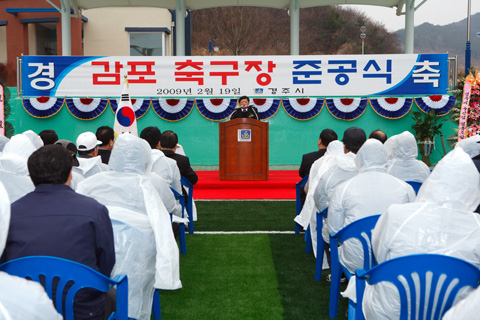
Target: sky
[(437, 12)]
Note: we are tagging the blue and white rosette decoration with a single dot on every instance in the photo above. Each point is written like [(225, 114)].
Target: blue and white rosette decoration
[(266, 107), (347, 108), (140, 106), (42, 107), (441, 104), (391, 108), (172, 109), (86, 108), (216, 109), (303, 108)]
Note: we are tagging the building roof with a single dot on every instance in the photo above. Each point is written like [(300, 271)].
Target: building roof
[(202, 4)]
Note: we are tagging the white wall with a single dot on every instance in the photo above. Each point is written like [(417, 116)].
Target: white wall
[(105, 35)]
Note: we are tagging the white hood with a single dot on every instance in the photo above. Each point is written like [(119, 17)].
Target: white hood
[(405, 146), (470, 145), (454, 183), (15, 155), (130, 154), (372, 156), (390, 145), (346, 161), (34, 138)]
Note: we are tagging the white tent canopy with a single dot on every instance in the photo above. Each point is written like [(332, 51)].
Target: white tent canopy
[(404, 7)]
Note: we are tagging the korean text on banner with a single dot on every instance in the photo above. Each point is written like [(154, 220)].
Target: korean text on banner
[(234, 76)]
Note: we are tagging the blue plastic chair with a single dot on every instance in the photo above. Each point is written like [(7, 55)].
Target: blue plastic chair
[(415, 185), (361, 230), (189, 186), (181, 226), (320, 244), (44, 270), (298, 201), (156, 306), (448, 275)]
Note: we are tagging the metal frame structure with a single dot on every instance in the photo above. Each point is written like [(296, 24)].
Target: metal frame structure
[(404, 7)]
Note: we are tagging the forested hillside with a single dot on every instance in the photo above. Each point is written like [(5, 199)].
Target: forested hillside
[(266, 31)]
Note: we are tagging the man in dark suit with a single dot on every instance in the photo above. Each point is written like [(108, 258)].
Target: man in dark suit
[(245, 110), (308, 159), (168, 144)]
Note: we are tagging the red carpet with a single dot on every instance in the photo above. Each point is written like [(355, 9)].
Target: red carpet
[(281, 185)]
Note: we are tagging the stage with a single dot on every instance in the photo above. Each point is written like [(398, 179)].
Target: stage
[(279, 186)]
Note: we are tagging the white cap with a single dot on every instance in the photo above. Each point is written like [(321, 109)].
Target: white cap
[(87, 141)]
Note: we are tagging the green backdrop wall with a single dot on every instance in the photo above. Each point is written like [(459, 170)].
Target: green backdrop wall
[(289, 138)]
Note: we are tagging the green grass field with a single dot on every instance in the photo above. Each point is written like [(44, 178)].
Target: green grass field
[(247, 276)]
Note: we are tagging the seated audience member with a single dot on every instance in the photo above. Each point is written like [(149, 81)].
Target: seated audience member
[(471, 146), (368, 193), (318, 168), (440, 221), (132, 198), (162, 165), (379, 135), (3, 142), (13, 166), (403, 163), (88, 158), (53, 220), (21, 298), (326, 136), (72, 149), (245, 110), (48, 137), (341, 170), (106, 135), (168, 145)]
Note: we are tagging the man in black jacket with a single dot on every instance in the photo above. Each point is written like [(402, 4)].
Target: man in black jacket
[(168, 144), (245, 110)]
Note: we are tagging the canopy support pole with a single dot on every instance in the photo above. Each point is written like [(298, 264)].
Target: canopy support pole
[(294, 28)]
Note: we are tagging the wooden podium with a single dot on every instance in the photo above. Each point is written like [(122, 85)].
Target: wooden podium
[(243, 149)]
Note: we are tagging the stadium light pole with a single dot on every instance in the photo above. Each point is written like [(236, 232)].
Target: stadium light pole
[(468, 53), (363, 29)]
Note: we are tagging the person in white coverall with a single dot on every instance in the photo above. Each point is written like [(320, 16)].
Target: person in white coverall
[(20, 299), (13, 166), (369, 193), (343, 169), (136, 207), (404, 164), (440, 221), (319, 167)]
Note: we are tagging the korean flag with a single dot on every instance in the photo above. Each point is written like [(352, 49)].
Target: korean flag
[(125, 120)]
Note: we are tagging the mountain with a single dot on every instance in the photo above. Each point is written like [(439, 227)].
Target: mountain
[(449, 39)]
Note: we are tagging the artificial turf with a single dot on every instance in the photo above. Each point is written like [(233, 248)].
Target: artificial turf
[(245, 215), (247, 276)]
